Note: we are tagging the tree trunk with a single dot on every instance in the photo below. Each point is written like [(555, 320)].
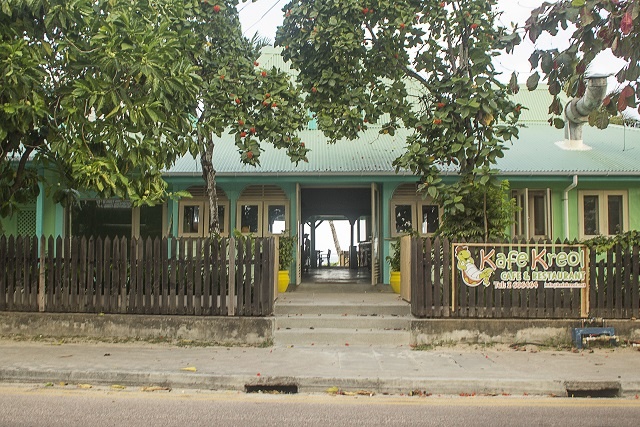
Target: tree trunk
[(209, 175), (486, 216)]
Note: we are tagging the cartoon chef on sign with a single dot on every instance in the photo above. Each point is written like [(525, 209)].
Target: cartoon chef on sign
[(471, 275)]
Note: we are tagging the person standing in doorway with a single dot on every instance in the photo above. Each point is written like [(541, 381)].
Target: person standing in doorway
[(306, 253)]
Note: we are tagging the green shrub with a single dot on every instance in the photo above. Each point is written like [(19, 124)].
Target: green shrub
[(286, 247), (602, 244)]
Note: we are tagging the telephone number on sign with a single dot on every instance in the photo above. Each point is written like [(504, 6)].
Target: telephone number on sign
[(516, 285)]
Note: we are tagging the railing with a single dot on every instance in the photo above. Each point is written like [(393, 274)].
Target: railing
[(518, 280), (196, 277)]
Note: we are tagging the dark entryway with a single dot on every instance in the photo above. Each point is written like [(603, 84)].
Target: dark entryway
[(324, 214), (350, 203)]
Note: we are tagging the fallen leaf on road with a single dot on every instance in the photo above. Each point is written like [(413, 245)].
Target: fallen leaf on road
[(85, 386), (118, 386), (333, 390), (62, 383), (155, 388), (189, 368)]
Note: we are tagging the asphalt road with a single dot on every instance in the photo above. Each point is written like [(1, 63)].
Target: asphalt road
[(27, 405)]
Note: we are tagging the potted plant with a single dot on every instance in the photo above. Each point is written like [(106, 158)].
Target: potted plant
[(394, 264), (286, 246)]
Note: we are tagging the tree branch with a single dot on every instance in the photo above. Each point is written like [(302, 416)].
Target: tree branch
[(408, 71), (21, 167)]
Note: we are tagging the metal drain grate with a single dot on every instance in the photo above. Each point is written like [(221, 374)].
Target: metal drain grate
[(593, 389), (271, 388)]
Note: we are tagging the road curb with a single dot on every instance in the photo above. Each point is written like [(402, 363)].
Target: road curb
[(394, 386)]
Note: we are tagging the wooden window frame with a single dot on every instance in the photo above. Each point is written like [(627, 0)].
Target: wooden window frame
[(263, 215), (603, 220), (524, 227), (402, 202), (249, 202), (416, 205), (204, 205), (419, 216)]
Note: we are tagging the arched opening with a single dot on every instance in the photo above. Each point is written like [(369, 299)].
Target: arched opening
[(193, 220), (411, 212), (263, 210)]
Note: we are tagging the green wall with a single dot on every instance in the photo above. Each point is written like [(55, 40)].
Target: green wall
[(585, 183)]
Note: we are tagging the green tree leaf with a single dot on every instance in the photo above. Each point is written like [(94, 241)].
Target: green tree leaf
[(532, 81), (600, 25)]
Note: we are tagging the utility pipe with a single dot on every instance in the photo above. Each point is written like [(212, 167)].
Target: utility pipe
[(576, 114), (577, 110), (565, 201)]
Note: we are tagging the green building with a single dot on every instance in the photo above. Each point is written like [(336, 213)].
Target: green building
[(565, 190)]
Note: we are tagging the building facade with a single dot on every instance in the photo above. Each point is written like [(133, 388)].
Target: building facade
[(573, 192)]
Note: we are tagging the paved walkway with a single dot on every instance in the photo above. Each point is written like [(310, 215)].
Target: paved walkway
[(400, 370)]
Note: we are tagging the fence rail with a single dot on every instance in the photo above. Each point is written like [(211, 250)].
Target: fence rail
[(197, 277), (605, 285)]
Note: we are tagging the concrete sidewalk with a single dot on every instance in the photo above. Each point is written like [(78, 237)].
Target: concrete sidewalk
[(394, 370)]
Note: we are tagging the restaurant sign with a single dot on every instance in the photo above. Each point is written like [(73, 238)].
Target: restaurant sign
[(520, 266)]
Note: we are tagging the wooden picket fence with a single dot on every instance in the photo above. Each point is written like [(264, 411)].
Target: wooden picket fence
[(612, 289), (197, 277)]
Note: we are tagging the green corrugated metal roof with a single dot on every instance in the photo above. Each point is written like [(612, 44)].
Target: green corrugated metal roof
[(614, 151), (271, 57), (537, 104), (372, 153)]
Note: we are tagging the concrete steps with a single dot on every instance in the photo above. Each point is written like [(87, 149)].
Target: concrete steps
[(320, 321), (362, 309), (342, 337), (339, 323)]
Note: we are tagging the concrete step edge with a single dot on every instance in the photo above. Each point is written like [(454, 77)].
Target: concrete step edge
[(352, 316), (340, 310), (341, 337), (342, 323), (312, 330)]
